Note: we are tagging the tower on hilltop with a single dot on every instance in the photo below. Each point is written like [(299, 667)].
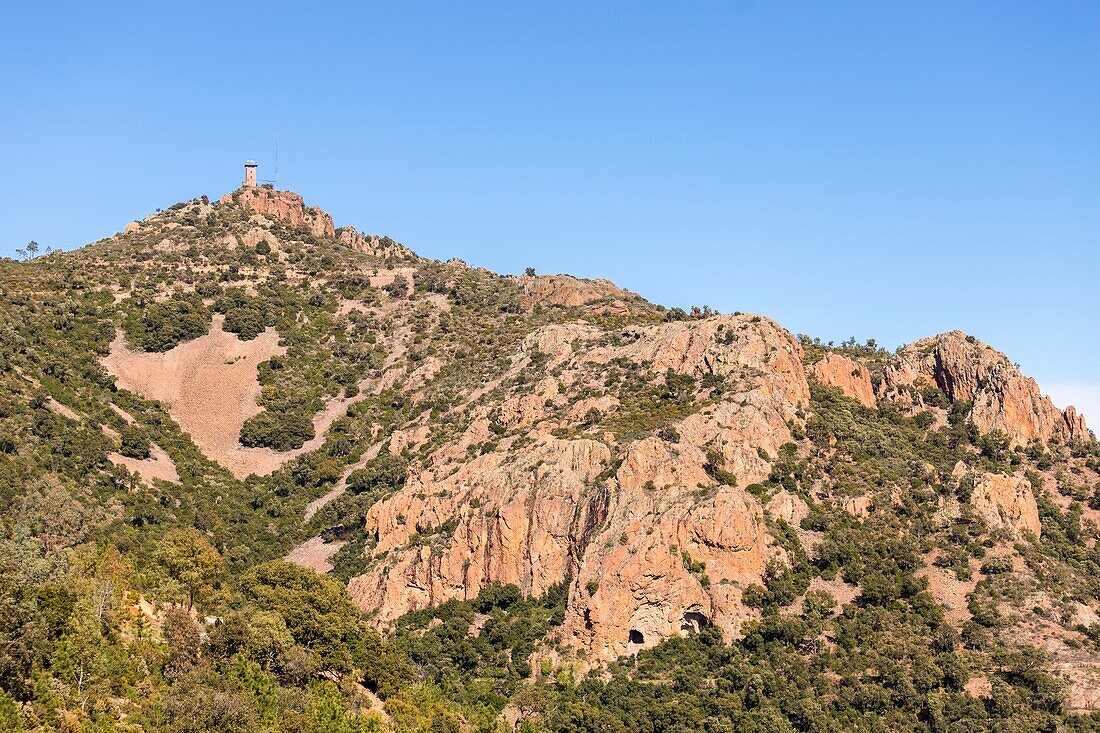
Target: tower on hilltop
[(250, 173)]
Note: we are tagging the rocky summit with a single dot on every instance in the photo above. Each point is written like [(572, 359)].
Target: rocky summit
[(256, 466)]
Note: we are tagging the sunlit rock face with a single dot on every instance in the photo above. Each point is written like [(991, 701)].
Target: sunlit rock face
[(1002, 398), (653, 544)]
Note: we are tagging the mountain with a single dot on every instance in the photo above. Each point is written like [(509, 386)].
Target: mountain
[(259, 472)]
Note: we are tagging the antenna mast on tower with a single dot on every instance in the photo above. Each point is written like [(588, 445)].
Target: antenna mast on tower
[(275, 181)]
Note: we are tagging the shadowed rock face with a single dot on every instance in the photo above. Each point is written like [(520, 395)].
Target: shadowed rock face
[(647, 535), (1002, 398)]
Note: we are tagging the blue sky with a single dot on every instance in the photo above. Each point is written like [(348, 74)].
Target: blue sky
[(885, 170)]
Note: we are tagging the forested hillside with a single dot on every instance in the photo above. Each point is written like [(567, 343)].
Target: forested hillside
[(259, 473)]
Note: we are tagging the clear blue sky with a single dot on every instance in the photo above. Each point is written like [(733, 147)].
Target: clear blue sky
[(886, 170)]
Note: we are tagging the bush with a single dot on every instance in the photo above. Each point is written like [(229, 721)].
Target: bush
[(135, 443), (997, 566), (280, 431), (10, 719), (496, 595), (382, 475), (247, 322), (161, 326), (245, 316), (316, 609)]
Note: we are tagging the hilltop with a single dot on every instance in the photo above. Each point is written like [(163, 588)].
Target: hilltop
[(255, 466)]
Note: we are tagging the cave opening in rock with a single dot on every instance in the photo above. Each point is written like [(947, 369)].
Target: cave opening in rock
[(693, 621), (636, 637)]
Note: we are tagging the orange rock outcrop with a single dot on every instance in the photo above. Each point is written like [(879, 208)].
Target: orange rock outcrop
[(850, 377), (1004, 502), (654, 545), (285, 206), (570, 292), (372, 243), (1002, 398)]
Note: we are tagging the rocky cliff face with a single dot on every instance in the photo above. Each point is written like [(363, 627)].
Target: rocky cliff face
[(1002, 398), (567, 291), (372, 243), (847, 375), (516, 515), (1003, 502), (654, 543), (285, 206)]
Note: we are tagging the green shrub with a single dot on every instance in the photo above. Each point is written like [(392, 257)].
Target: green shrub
[(246, 322), (496, 595), (10, 719), (317, 611), (382, 475), (161, 326), (244, 315), (280, 431), (135, 442)]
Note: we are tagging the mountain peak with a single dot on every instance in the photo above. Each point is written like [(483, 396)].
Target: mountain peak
[(1002, 398), (285, 206), (539, 449)]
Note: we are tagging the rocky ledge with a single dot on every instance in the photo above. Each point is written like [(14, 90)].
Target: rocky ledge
[(285, 206)]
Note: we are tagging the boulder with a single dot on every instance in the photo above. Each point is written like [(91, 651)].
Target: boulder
[(1002, 501)]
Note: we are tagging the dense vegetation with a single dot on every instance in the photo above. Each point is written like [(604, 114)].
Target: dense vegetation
[(130, 605), (158, 326)]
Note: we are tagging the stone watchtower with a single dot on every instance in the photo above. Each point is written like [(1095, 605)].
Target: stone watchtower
[(250, 173)]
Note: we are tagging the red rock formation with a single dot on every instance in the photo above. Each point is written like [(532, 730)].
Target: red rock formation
[(518, 518), (665, 561), (285, 206), (851, 378), (373, 244), (570, 292), (1004, 502), (788, 507), (964, 368), (655, 547)]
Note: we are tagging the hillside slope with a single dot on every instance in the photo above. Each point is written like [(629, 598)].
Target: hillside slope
[(488, 486)]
